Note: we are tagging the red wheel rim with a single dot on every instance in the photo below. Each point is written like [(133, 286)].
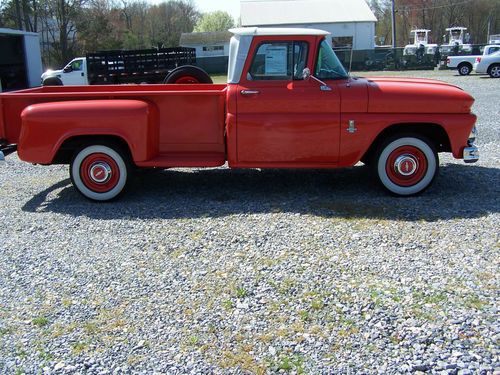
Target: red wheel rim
[(99, 172), (406, 166), (186, 79)]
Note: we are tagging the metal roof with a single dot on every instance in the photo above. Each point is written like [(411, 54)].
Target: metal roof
[(16, 32), (290, 12), (277, 31)]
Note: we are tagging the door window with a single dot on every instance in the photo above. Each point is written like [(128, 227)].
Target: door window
[(279, 61), (76, 65)]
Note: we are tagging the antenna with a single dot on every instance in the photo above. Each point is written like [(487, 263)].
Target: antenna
[(350, 61)]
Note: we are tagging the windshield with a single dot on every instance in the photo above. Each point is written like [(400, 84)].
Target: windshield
[(328, 65)]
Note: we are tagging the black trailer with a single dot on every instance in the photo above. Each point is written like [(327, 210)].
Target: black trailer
[(136, 66)]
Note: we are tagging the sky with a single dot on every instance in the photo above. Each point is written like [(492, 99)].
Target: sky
[(204, 6), (230, 6)]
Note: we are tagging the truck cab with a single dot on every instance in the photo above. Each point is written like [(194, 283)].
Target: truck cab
[(73, 74), (266, 81)]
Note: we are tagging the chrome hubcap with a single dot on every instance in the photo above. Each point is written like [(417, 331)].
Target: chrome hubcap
[(495, 71), (100, 172), (406, 165)]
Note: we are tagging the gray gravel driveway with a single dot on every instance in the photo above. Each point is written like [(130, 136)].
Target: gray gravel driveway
[(272, 271)]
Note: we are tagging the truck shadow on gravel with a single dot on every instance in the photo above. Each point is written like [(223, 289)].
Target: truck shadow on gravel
[(460, 191)]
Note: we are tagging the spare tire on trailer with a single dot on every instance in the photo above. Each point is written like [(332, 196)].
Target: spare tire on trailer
[(52, 81), (187, 74)]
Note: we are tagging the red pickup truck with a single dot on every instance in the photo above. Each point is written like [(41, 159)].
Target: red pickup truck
[(288, 103)]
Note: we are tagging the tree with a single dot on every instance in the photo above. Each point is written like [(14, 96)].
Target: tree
[(215, 21), (95, 31), (59, 19), (167, 21), (437, 15), (20, 14)]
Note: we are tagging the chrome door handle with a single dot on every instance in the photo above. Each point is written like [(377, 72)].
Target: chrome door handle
[(249, 92)]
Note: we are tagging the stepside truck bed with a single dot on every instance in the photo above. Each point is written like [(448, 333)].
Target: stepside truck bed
[(163, 125)]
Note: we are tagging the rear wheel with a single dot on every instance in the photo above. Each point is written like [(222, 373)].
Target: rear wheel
[(406, 165), (464, 69), (494, 71), (188, 74), (99, 172)]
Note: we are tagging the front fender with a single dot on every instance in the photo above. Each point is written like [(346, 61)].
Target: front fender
[(46, 126)]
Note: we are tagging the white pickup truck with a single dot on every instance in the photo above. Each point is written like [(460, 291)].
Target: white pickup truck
[(464, 63), (488, 64)]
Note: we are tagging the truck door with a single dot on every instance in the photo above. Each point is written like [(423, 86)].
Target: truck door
[(74, 73), (283, 120)]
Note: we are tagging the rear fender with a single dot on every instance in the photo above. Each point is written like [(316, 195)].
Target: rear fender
[(46, 126)]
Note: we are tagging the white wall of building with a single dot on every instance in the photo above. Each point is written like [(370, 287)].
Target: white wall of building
[(363, 33)]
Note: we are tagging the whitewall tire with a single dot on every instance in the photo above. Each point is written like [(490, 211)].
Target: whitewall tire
[(407, 165), (99, 172)]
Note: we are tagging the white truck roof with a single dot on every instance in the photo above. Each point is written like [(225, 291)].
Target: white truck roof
[(277, 31), (242, 38)]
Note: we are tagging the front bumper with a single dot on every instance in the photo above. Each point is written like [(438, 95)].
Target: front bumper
[(471, 154)]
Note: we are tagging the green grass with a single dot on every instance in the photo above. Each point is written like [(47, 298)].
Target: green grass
[(288, 363), (473, 302), (5, 331), (79, 347), (222, 78), (228, 304), (194, 341), (45, 356), (40, 321), (241, 292)]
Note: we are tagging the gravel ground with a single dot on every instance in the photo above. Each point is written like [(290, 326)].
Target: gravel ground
[(231, 272)]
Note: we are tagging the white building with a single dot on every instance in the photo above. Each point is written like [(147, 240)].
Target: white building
[(209, 44), (350, 22)]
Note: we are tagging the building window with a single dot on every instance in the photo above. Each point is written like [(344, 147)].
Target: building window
[(342, 42), (213, 48)]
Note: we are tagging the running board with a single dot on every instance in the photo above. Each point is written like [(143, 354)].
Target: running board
[(180, 160)]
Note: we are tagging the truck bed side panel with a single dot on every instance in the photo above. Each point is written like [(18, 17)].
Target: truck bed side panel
[(189, 119), (46, 126)]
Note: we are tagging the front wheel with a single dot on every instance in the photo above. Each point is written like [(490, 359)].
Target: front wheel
[(494, 71), (53, 81), (99, 172), (406, 165)]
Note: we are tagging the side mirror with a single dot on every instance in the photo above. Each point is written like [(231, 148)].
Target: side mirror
[(67, 69), (306, 74)]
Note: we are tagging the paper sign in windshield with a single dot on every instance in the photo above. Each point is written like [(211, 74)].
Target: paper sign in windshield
[(276, 58)]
